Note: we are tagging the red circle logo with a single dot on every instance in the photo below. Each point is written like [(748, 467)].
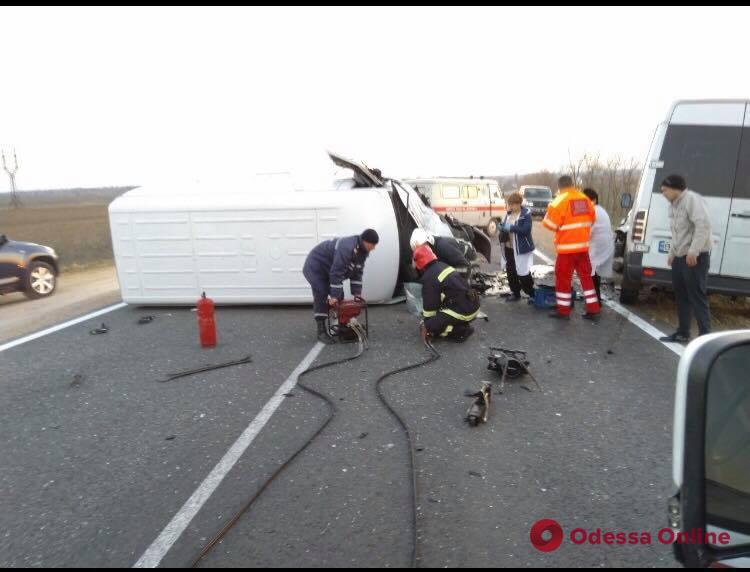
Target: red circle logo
[(546, 535)]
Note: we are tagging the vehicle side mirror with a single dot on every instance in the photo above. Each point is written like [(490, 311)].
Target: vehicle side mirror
[(710, 516), (626, 200)]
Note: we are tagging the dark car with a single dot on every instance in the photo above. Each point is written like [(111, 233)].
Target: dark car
[(29, 268), (537, 198)]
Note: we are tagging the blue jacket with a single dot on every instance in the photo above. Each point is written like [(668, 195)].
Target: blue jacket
[(337, 260), (522, 230)]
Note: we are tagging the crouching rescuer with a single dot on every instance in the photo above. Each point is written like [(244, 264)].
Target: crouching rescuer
[(450, 305), (327, 267)]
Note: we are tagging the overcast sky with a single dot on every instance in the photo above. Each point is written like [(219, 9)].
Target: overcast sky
[(115, 96)]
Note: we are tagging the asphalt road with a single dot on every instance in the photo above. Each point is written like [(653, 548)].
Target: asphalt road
[(99, 456), (78, 293)]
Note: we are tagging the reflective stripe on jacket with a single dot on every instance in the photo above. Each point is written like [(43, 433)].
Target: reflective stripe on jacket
[(444, 290)]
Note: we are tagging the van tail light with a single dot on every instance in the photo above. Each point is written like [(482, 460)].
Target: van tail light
[(639, 226), (649, 272)]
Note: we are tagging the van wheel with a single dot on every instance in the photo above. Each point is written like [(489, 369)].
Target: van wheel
[(41, 280), (491, 228), (630, 290), (629, 297)]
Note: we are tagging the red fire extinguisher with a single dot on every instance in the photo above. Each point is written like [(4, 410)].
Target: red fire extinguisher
[(206, 322)]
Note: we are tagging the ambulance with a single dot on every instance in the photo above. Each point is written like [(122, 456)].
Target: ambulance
[(476, 202)]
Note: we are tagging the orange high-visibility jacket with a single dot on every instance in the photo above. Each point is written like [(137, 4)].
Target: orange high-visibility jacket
[(571, 216)]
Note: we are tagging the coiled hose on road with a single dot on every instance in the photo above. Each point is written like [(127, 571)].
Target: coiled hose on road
[(332, 411)]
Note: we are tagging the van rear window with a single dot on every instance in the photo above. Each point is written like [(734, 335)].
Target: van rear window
[(705, 155)]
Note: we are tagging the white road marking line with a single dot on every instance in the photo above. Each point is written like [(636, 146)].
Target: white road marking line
[(161, 546), (59, 327), (652, 331), (649, 329), (544, 257)]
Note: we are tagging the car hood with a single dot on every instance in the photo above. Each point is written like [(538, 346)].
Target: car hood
[(28, 247)]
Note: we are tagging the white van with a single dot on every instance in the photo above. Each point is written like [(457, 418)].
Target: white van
[(476, 202), (707, 142), (247, 245)]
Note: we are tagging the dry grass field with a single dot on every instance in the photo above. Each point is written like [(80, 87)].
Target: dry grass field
[(74, 223)]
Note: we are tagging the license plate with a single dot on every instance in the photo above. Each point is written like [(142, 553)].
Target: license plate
[(665, 246)]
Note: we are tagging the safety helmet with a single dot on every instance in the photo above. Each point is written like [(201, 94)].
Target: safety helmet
[(423, 256), (420, 237)]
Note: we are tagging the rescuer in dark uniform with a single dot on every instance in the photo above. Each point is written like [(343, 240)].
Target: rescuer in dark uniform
[(449, 304), (326, 268)]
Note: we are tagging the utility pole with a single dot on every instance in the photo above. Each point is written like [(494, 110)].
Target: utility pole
[(15, 201)]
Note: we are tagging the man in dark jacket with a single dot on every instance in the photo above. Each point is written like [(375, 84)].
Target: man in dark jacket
[(328, 265), (449, 304)]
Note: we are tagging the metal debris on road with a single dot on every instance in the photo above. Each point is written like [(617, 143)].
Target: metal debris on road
[(173, 376), (98, 331)]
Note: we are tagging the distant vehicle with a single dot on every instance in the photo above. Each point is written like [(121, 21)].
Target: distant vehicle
[(708, 142), (29, 268), (248, 245), (537, 198), (477, 202)]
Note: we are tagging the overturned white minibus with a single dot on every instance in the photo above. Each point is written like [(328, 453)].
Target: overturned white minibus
[(248, 245)]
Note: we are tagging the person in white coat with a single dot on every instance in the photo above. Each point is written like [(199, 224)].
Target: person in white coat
[(602, 250)]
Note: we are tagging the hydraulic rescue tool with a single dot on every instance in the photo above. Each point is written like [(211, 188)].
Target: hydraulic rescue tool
[(346, 323), (510, 364), (479, 411)]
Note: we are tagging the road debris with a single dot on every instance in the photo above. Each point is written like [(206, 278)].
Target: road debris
[(98, 331), (173, 376)]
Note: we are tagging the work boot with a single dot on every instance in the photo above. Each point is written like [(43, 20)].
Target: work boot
[(324, 335), (555, 315), (463, 336), (676, 338)]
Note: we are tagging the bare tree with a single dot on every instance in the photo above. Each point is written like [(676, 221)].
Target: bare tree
[(575, 167), (15, 201), (610, 178), (542, 178)]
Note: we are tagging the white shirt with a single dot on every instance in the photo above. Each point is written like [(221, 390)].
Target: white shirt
[(602, 250)]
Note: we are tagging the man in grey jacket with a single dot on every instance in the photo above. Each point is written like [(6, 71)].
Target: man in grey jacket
[(690, 256)]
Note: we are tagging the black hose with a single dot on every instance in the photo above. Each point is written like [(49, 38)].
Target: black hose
[(434, 356), (332, 410), (331, 414)]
